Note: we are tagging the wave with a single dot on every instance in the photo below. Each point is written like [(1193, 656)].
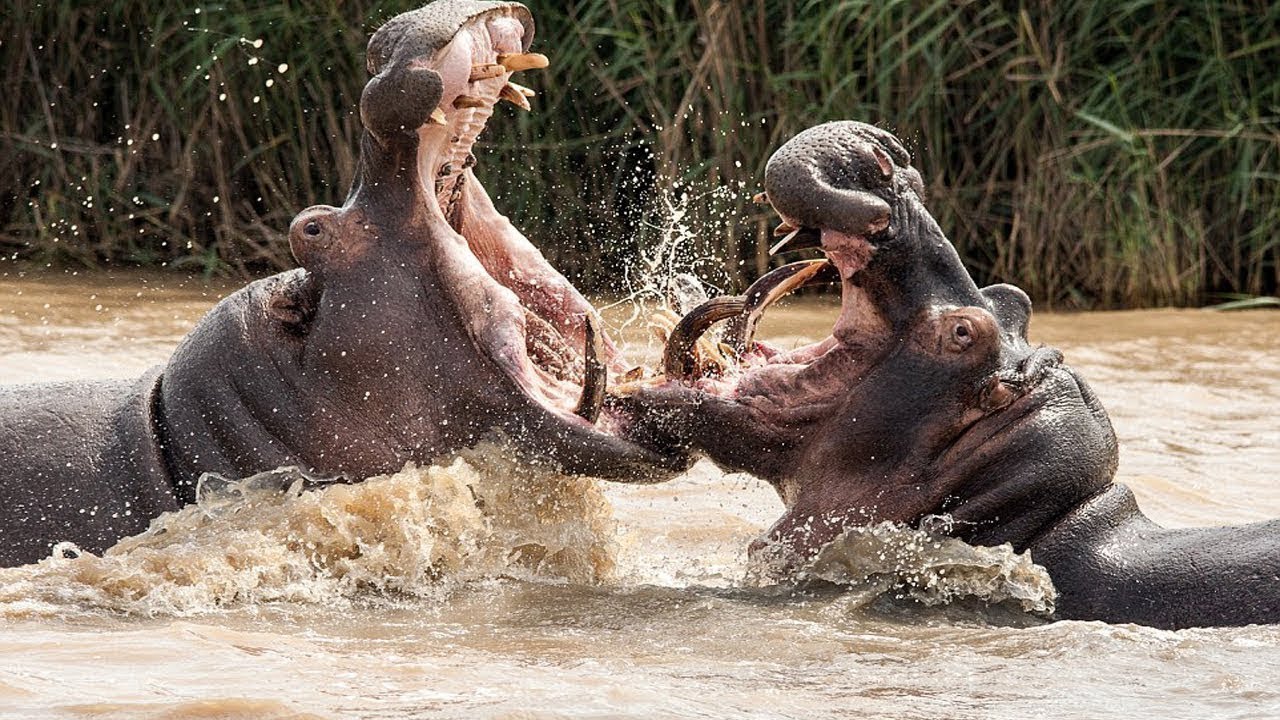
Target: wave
[(926, 565), (417, 532)]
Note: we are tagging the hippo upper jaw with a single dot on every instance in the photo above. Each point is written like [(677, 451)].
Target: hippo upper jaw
[(1013, 474)]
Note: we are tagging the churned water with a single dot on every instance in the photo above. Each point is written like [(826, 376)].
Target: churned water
[(481, 587)]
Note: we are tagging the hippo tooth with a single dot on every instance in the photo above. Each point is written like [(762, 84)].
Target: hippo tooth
[(527, 92), (469, 101), (437, 117), (511, 94), (486, 71), (760, 198), (785, 228), (515, 62), (777, 247)]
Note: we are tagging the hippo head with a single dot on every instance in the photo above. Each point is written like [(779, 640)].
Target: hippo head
[(927, 397), (421, 318)]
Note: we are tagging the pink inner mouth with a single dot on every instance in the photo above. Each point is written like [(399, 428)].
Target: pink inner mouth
[(803, 375), (520, 311)]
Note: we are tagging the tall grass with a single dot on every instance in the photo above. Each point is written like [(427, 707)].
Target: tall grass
[(1096, 154)]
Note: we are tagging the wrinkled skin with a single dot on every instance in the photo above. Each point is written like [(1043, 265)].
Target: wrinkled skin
[(927, 399), (420, 320)]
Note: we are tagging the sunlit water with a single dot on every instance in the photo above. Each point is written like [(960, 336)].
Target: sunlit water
[(481, 588)]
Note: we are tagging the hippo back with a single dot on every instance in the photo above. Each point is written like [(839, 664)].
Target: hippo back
[(79, 462)]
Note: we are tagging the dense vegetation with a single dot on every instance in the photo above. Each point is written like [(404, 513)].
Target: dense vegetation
[(1098, 154)]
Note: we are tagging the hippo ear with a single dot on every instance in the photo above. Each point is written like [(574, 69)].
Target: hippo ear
[(292, 301), (1012, 308)]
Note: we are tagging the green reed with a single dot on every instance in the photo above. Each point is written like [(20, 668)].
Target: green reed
[(1096, 154)]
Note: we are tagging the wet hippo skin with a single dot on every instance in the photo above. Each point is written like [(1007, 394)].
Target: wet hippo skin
[(419, 322), (927, 399)]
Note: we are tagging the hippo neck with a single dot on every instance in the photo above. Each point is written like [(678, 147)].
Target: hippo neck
[(1110, 562), (387, 181), (219, 395)]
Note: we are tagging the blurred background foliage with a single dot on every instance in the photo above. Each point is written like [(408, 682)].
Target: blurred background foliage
[(1097, 154)]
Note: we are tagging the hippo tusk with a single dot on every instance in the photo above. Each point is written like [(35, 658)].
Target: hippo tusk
[(486, 71), (771, 288), (463, 102), (516, 95), (437, 117), (760, 198), (515, 62), (595, 376), (527, 92), (801, 239), (678, 359)]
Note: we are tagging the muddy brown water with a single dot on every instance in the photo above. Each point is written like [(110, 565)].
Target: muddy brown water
[(567, 598)]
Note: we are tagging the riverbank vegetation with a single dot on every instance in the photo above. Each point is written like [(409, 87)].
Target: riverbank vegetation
[(1096, 154)]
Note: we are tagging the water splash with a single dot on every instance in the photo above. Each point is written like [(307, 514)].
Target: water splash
[(419, 532), (677, 264), (925, 565)]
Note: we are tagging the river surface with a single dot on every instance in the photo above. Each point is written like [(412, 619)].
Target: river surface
[(563, 597)]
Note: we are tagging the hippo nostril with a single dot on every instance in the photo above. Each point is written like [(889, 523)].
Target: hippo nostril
[(1033, 368), (1040, 361), (312, 228)]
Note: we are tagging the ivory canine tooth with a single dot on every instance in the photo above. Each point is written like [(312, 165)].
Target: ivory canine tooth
[(527, 92), (782, 243), (760, 198), (511, 93), (711, 359), (486, 71), (595, 376), (515, 62), (661, 323), (437, 117), (685, 352), (785, 228), (469, 101)]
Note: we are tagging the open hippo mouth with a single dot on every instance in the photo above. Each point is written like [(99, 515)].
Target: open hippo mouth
[(552, 347), (924, 385)]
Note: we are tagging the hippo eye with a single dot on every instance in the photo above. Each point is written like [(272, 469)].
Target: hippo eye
[(312, 228), (961, 336)]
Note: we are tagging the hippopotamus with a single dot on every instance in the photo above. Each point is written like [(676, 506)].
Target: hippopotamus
[(927, 399), (419, 321)]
